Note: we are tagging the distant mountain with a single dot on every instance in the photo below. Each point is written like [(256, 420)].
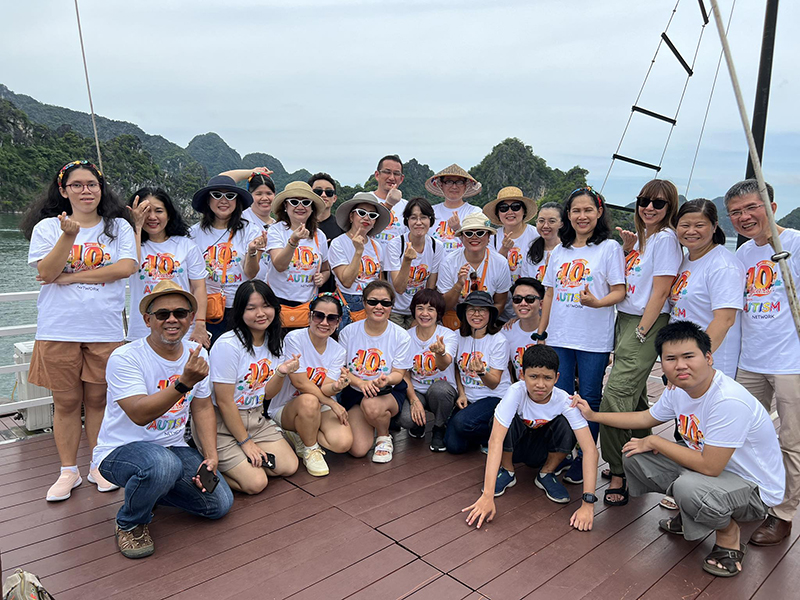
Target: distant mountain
[(791, 220), (213, 153)]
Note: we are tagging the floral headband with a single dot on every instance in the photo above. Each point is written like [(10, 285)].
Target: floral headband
[(257, 173), (327, 296), (75, 163), (588, 190)]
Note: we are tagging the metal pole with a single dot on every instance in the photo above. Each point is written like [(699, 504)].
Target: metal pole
[(780, 256)]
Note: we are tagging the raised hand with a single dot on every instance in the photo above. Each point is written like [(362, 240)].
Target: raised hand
[(454, 222), (629, 238), (394, 196), (139, 212), (359, 239), (588, 298), (409, 254), (508, 244), (258, 243), (298, 234), (289, 366), (262, 171), (438, 346), (195, 369), (476, 365), (463, 274), (68, 226)]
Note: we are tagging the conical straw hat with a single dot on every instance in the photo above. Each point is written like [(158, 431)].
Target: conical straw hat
[(434, 186)]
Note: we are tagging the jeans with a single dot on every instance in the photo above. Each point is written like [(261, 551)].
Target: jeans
[(355, 302), (471, 425), (590, 367), (439, 400), (152, 474)]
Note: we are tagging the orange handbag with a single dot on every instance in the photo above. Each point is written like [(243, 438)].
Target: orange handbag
[(215, 306)]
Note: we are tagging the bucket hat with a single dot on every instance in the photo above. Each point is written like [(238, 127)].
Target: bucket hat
[(508, 195), (344, 210), (434, 184), (476, 221), (479, 298), (220, 183)]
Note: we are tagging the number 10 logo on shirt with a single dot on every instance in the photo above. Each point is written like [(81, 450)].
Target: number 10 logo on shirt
[(369, 362), (572, 274)]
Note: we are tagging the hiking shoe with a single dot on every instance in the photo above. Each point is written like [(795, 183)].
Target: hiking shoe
[(417, 432), (135, 543), (563, 465), (437, 440), (575, 472), (552, 487), (294, 440), (504, 481), (103, 484), (314, 461), (62, 488)]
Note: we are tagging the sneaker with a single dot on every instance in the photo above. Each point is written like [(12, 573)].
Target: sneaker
[(135, 543), (62, 488), (575, 472), (314, 461), (103, 484), (552, 487), (417, 432), (504, 481), (294, 440), (437, 440), (485, 449), (563, 465)]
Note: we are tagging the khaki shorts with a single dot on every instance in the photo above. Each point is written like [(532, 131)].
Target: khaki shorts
[(63, 366), (279, 414)]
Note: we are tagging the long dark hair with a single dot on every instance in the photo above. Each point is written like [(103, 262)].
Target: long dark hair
[(175, 223), (311, 222), (51, 203), (465, 329), (328, 297), (706, 208), (536, 251), (652, 189), (235, 223), (272, 338), (602, 231)]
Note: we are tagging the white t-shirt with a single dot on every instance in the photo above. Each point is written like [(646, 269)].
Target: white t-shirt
[(369, 357), (728, 416), (342, 251), (253, 218), (318, 367), (176, 259), (492, 351), (82, 312), (537, 270), (213, 245), (517, 402), (395, 226), (441, 231), (662, 256), (136, 370), (573, 325), (424, 372), (702, 286), (518, 253), (518, 341), (497, 280), (232, 363), (769, 340), (422, 267), (296, 283)]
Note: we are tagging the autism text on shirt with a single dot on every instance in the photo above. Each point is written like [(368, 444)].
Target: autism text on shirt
[(763, 308)]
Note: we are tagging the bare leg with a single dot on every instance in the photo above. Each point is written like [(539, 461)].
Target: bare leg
[(363, 432), (728, 538), (94, 405), (67, 424), (553, 460), (302, 415), (379, 411), (246, 478), (506, 461), (332, 434), (285, 459)]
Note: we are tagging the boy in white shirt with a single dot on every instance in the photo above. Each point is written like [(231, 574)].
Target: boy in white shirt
[(728, 467)]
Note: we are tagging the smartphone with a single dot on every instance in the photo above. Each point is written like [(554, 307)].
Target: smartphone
[(267, 462), (209, 479)]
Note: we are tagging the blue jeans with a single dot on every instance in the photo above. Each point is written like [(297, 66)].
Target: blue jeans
[(355, 302), (471, 425), (590, 367), (153, 474)]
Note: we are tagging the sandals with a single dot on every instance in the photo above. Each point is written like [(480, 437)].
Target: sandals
[(669, 503), (620, 491), (605, 473), (383, 443), (727, 557), (673, 525)]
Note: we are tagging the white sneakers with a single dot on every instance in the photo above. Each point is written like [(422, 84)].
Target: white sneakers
[(312, 456)]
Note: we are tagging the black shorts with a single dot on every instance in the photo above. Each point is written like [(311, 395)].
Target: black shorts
[(350, 396)]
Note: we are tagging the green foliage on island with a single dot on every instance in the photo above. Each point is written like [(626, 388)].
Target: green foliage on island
[(791, 220)]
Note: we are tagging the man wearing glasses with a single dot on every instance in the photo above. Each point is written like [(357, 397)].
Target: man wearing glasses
[(389, 175), (325, 187)]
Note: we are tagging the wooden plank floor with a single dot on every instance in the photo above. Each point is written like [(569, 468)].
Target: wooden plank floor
[(367, 531)]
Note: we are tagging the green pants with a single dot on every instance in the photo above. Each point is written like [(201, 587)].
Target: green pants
[(626, 390)]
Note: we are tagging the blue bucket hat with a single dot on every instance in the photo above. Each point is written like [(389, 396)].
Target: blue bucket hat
[(220, 183)]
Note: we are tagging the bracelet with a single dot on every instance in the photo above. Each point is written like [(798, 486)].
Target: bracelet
[(253, 254), (203, 320), (245, 440), (279, 374), (293, 245)]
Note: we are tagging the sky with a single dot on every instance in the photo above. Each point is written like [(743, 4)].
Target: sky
[(334, 85)]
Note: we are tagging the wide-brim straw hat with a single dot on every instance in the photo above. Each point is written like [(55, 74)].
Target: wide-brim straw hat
[(434, 184), (298, 189), (508, 195), (344, 210), (220, 183), (166, 287), (474, 222), (479, 298)]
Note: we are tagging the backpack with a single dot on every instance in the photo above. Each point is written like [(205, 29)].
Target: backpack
[(24, 586)]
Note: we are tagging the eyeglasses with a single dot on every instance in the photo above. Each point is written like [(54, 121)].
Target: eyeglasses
[(297, 202), (529, 299), (474, 286), (476, 309), (515, 206), (458, 181), (478, 234), (327, 192), (78, 187), (375, 302), (388, 172), (644, 202), (162, 314), (365, 213), (318, 317), (542, 221), (220, 195), (749, 209)]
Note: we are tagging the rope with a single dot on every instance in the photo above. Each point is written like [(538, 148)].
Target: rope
[(89, 90)]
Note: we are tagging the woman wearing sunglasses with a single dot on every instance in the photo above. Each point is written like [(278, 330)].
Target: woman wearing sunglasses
[(653, 256), (475, 267), (305, 408), (231, 246), (247, 371), (548, 224), (526, 298), (482, 361), (583, 282), (378, 356), (355, 258), (298, 251), (453, 184)]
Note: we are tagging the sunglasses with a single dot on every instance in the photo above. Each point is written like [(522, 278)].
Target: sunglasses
[(478, 234), (375, 302), (297, 202), (163, 314), (515, 206), (644, 202), (325, 192), (318, 317), (475, 286), (365, 213), (530, 299), (220, 195)]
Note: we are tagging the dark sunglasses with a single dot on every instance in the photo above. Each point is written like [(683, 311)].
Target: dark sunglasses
[(515, 206), (375, 302), (478, 234), (328, 192), (530, 299), (644, 202), (297, 201), (319, 317), (163, 314)]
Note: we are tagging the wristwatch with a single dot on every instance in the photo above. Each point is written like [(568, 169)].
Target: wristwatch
[(539, 336), (182, 387), (589, 498)]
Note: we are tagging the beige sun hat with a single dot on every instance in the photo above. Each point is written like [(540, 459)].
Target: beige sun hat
[(508, 195), (474, 222), (434, 184), (344, 210), (298, 189), (166, 287)]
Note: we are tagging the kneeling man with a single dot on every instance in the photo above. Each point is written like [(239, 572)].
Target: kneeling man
[(152, 384), (728, 467)]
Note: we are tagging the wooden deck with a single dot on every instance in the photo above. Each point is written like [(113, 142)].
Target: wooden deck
[(366, 531)]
